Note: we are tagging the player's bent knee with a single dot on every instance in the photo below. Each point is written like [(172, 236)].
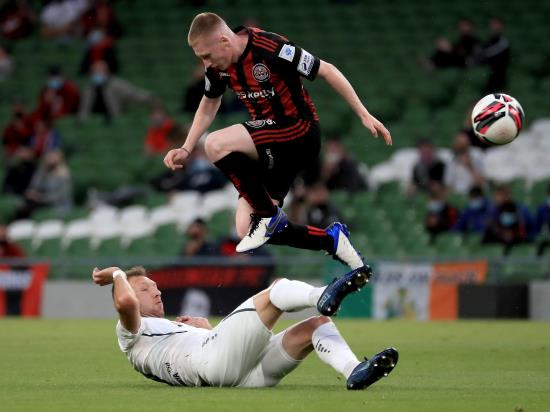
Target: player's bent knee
[(317, 321), (213, 146)]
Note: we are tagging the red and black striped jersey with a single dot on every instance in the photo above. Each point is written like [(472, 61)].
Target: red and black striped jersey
[(267, 77)]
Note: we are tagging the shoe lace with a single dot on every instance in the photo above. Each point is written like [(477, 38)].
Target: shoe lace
[(254, 223)]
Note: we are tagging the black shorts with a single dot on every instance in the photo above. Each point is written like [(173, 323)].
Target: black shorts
[(285, 147)]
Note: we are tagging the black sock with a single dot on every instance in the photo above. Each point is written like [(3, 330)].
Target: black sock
[(304, 237), (246, 176)]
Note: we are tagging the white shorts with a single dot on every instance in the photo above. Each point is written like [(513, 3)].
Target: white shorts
[(241, 351)]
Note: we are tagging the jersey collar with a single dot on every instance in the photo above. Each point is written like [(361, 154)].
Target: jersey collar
[(248, 44)]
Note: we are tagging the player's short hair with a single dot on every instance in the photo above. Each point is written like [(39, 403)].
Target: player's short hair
[(132, 273), (136, 271), (203, 24)]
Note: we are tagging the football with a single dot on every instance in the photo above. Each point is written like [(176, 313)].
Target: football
[(497, 119)]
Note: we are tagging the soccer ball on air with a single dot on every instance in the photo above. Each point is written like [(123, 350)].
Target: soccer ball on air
[(497, 119)]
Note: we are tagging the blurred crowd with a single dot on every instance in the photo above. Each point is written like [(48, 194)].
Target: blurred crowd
[(37, 172)]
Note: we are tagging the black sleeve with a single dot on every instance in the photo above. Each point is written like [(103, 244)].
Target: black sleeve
[(293, 58), (214, 86)]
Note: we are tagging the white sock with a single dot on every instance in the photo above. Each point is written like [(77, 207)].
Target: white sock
[(292, 295), (333, 349)]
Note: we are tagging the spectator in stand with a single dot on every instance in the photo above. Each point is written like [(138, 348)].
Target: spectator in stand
[(476, 215), (9, 249), (339, 170), (468, 44), (510, 222), (18, 131), (17, 19), (59, 97), (466, 168), (542, 224), (45, 138), (429, 168), (19, 171), (18, 159), (495, 54), (197, 243), (6, 63), (320, 212), (109, 95), (158, 139), (60, 18), (51, 186), (458, 54), (101, 47), (443, 56), (100, 14), (198, 174), (440, 215)]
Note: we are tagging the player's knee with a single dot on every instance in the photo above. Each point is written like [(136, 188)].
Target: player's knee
[(275, 281), (213, 146), (316, 321)]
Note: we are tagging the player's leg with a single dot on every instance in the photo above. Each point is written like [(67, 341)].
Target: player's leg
[(233, 152)]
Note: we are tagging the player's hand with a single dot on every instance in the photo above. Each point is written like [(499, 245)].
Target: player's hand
[(375, 126), (103, 277), (175, 158), (194, 321)]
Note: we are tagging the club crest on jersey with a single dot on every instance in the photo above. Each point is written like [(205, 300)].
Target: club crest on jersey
[(260, 72)]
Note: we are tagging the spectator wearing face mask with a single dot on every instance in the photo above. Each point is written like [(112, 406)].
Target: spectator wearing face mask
[(320, 212), (510, 222), (339, 171), (428, 169), (440, 215), (109, 95), (101, 47), (59, 97), (198, 174), (477, 213)]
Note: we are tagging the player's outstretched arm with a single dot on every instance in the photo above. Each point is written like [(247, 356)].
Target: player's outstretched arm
[(338, 82), (204, 117), (125, 299)]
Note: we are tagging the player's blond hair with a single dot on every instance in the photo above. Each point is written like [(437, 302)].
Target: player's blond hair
[(136, 271), (132, 273), (202, 25)]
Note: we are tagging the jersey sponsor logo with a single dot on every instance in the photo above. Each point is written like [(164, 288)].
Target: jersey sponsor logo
[(306, 63), (224, 74), (287, 52), (264, 93), (260, 72), (260, 123)]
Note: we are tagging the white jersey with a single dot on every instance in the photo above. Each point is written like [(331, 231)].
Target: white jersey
[(163, 350)]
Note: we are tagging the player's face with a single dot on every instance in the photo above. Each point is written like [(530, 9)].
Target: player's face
[(214, 51), (150, 303)]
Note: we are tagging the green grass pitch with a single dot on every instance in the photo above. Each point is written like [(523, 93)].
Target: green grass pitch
[(71, 365)]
